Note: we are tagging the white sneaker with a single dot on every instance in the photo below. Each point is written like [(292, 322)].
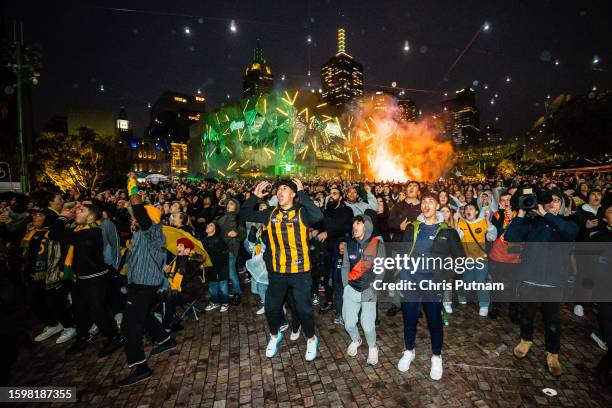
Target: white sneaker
[(211, 306), (352, 348), (93, 330), (484, 311), (448, 308), (224, 308), (373, 355), (119, 319), (295, 335), (67, 334), (312, 348), (261, 311), (272, 348), (579, 310), (49, 331), (436, 368), (600, 343), (404, 364), (283, 327)]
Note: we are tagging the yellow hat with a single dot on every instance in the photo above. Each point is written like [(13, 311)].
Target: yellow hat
[(154, 213)]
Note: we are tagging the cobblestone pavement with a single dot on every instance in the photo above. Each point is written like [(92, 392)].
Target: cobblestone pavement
[(220, 362)]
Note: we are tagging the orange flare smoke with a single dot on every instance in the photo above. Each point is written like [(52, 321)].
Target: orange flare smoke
[(391, 149)]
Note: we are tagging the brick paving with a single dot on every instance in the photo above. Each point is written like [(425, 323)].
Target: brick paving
[(221, 362)]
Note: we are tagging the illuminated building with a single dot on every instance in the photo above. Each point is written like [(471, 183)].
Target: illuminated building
[(282, 132), (172, 115), (178, 157), (408, 109), (491, 135), (149, 158), (462, 118), (341, 76), (257, 77), (123, 125)]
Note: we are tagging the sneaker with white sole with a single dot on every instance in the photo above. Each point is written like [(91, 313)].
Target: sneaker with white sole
[(484, 311), (462, 301), (312, 348), (404, 364), (373, 355), (49, 331), (339, 320), (119, 319), (448, 308), (283, 327), (272, 348), (600, 343), (93, 330), (353, 347), (261, 311), (295, 335), (436, 367), (67, 334), (211, 306), (579, 310), (224, 308)]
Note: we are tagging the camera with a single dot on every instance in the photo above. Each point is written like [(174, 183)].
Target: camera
[(527, 198)]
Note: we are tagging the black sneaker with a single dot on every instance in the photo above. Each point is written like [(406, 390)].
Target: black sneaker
[(393, 310), (326, 308), (165, 346), (111, 346), (236, 300), (315, 299), (140, 373), (79, 345)]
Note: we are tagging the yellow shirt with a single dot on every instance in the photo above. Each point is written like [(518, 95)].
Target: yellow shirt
[(479, 229)]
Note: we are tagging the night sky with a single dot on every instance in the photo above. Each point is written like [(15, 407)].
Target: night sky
[(138, 55)]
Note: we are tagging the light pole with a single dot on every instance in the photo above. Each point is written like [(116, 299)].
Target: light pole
[(22, 147), (18, 41)]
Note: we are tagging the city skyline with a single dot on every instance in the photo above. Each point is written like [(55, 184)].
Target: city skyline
[(406, 48)]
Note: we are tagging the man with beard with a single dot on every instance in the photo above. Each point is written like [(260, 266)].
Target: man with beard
[(336, 226)]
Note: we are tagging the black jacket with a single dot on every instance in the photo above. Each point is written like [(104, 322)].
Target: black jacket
[(398, 214), (545, 258), (219, 255), (337, 222), (88, 247)]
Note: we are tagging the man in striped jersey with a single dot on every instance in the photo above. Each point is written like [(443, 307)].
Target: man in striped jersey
[(287, 227)]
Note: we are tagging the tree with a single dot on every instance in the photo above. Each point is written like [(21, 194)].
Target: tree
[(79, 162)]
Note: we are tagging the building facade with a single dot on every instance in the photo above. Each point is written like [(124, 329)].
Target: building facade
[(172, 115), (258, 76), (462, 118), (341, 76)]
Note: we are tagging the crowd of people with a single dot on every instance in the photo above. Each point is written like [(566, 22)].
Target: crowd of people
[(79, 263)]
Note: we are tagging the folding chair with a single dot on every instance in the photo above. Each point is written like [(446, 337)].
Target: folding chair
[(192, 307)]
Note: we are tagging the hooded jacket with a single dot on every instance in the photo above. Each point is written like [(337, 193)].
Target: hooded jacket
[(353, 254), (230, 222)]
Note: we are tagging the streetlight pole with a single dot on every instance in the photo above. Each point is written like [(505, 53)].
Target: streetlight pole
[(18, 39)]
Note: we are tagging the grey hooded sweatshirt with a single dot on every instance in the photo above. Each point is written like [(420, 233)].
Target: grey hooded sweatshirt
[(368, 295)]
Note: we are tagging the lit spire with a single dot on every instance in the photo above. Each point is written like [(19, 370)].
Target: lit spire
[(258, 54), (341, 41)]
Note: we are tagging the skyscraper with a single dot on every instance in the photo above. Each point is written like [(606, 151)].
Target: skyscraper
[(462, 118), (408, 109), (341, 76), (258, 77)]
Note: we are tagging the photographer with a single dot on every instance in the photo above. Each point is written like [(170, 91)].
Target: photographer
[(543, 272)]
